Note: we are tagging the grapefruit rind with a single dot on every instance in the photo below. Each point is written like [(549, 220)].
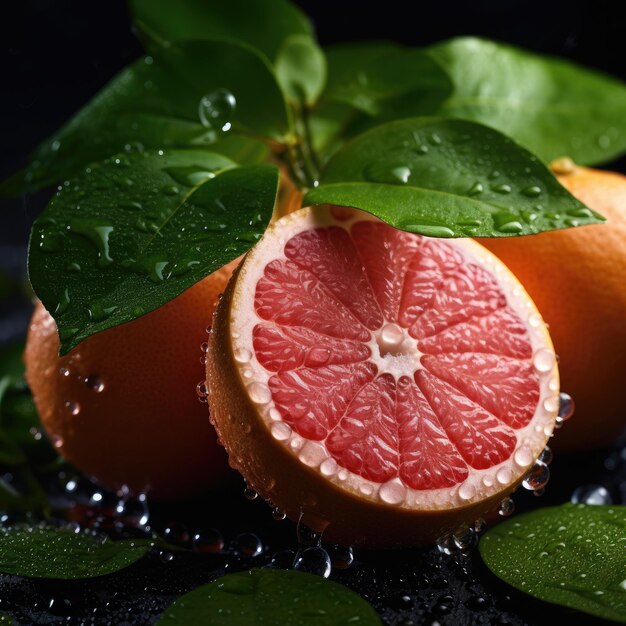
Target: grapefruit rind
[(244, 410)]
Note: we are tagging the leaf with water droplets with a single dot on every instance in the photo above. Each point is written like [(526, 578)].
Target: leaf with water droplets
[(271, 596), (154, 104), (62, 554), (262, 24), (572, 555), (447, 178), (141, 229), (549, 105)]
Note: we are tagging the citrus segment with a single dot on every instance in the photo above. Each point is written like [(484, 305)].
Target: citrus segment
[(397, 369)]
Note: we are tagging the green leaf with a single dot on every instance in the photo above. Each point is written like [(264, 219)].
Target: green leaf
[(136, 231), (571, 555), (386, 79), (551, 106), (301, 69), (155, 103), (268, 596), (448, 178), (263, 24), (63, 554)]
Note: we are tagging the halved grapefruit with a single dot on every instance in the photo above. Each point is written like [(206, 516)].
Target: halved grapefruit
[(381, 386)]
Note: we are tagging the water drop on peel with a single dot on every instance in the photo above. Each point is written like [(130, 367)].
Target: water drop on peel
[(466, 491), (250, 494), (249, 544), (216, 109), (504, 475), (94, 382), (278, 514), (546, 456), (242, 355), (202, 391), (259, 393), (329, 467), (72, 407)]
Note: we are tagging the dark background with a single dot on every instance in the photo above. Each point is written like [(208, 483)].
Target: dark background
[(56, 54)]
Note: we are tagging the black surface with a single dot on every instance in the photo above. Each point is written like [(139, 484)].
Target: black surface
[(54, 56)]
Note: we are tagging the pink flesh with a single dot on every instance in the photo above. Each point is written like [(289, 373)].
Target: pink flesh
[(459, 410)]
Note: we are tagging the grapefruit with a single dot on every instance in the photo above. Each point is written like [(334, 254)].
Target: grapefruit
[(576, 278), (122, 405), (380, 386)]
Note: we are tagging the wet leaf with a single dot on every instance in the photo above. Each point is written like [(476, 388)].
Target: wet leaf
[(301, 69), (63, 554), (448, 178), (572, 555), (262, 24), (267, 596), (380, 78), (136, 231), (549, 105), (156, 102)]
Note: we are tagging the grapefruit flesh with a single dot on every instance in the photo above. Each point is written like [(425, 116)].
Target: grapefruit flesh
[(397, 386)]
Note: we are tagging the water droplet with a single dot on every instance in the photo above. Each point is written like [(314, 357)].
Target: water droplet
[(582, 212), (250, 494), (507, 507), (99, 313), (544, 360), (190, 176), (63, 304), (216, 109), (388, 173), (72, 267), (392, 334), (242, 355), (208, 540), (312, 454), (467, 491), (307, 536), (329, 467), (523, 456), (546, 456), (317, 356), (134, 511), (566, 407), (202, 391), (563, 166), (313, 560), (249, 544), (507, 223), (170, 190), (176, 533), (72, 407), (98, 234), (392, 492), (94, 382), (278, 514), (465, 539), (280, 431), (476, 189), (341, 557), (591, 494), (64, 372), (532, 192), (501, 188), (551, 404), (537, 477), (535, 320), (429, 230), (259, 393), (504, 475)]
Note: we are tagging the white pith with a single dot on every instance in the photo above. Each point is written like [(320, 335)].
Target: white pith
[(400, 358)]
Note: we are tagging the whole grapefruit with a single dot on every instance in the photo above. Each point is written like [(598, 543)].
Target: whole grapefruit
[(577, 279), (122, 406)]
